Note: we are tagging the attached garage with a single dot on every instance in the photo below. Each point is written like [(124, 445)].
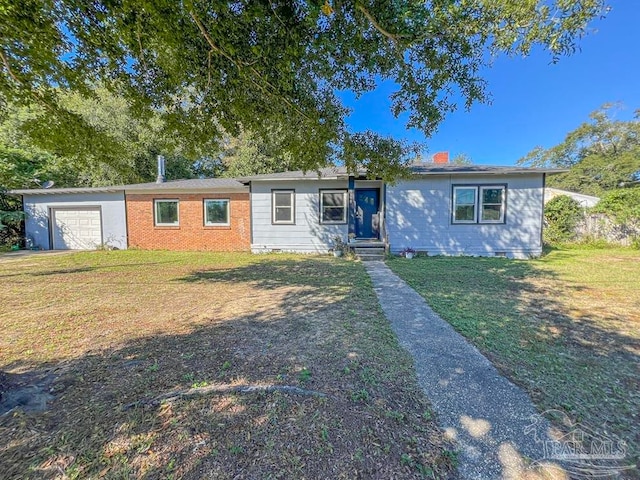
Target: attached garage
[(76, 228), (75, 218)]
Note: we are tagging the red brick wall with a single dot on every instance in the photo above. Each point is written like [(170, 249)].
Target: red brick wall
[(191, 234)]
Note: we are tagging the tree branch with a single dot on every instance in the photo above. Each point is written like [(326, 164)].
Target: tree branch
[(225, 390), (209, 40), (273, 9), (396, 37), (393, 37), (144, 66), (38, 95), (240, 67), (5, 61)]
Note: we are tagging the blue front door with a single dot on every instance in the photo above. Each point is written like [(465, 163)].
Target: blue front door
[(367, 219)]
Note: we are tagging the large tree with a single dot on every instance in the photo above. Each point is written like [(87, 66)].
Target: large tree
[(110, 146), (214, 66), (249, 154), (601, 154)]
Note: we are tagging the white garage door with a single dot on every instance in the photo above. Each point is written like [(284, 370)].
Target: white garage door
[(76, 229)]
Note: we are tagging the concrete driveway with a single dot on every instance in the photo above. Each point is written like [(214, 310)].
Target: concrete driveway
[(12, 255)]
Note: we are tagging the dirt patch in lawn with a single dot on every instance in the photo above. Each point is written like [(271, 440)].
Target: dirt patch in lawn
[(111, 329)]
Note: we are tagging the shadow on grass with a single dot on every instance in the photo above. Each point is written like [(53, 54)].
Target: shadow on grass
[(46, 272), (584, 365), (283, 272), (322, 319)]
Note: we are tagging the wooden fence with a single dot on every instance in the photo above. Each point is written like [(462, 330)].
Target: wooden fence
[(597, 226)]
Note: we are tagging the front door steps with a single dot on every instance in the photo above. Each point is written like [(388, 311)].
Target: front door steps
[(367, 250)]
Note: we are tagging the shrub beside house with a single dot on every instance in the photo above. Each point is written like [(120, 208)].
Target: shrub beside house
[(614, 219)]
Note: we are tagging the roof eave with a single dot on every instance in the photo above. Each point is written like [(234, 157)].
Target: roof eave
[(63, 191), (489, 172)]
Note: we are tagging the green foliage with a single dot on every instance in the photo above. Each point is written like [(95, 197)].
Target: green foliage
[(304, 375), (11, 216), (561, 215), (461, 159), (601, 154), (361, 395), (112, 148), (250, 154), (120, 149), (381, 157), (596, 174), (623, 205), (28, 167), (207, 68)]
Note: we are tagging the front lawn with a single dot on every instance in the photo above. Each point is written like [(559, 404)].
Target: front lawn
[(566, 327), (101, 331)]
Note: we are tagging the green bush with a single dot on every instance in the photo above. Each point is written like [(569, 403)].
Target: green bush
[(10, 220), (561, 215), (622, 205)]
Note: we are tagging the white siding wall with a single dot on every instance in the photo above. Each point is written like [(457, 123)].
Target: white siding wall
[(114, 227), (419, 216), (308, 235)]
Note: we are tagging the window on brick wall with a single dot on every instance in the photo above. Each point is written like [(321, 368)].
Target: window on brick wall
[(216, 212), (166, 213)]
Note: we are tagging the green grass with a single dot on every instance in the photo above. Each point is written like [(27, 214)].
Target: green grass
[(566, 327), (105, 329)]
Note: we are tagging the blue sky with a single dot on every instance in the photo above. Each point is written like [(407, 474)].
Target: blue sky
[(534, 102)]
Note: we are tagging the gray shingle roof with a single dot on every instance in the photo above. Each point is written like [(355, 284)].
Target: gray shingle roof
[(59, 191), (204, 184), (329, 173), (437, 169), (422, 169), (195, 183), (325, 173)]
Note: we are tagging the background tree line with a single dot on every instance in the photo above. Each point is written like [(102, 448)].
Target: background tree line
[(602, 154), (116, 149)]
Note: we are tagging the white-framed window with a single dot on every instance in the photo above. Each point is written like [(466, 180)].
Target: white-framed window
[(333, 206), (464, 204), (216, 212), (479, 203), (166, 213), (283, 207), (492, 204)]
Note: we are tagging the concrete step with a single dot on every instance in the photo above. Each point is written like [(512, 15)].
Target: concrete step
[(367, 257), (364, 250), (369, 252)]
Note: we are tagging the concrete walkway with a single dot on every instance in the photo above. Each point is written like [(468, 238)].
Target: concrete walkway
[(493, 422)]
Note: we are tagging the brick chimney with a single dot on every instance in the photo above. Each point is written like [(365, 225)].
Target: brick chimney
[(441, 158)]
